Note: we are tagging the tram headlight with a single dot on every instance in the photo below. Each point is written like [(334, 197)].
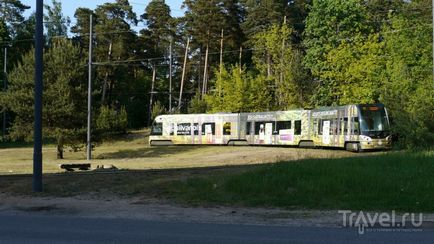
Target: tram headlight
[(389, 139), (366, 138)]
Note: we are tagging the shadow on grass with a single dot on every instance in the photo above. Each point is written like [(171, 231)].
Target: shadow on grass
[(107, 183), (392, 181), (128, 137), (24, 144), (7, 145), (146, 152)]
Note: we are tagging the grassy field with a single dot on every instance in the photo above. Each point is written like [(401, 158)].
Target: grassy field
[(243, 176), (399, 181), (132, 152)]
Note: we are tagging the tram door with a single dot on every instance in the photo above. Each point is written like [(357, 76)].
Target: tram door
[(268, 133), (218, 131)]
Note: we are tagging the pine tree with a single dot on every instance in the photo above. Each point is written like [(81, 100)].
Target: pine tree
[(262, 14), (55, 23), (64, 108), (204, 22)]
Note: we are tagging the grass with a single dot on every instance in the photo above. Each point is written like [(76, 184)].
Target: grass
[(312, 179), (132, 152), (398, 181)]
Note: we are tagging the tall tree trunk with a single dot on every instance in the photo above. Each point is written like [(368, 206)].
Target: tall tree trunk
[(183, 73), (221, 51), (268, 65), (205, 73), (60, 147), (151, 99), (104, 86), (241, 58)]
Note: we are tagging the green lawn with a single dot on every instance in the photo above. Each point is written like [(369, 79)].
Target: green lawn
[(244, 176), (394, 181)]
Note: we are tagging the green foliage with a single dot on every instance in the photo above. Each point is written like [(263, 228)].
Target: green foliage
[(110, 121), (237, 90), (261, 15), (157, 109), (329, 23), (408, 88), (204, 22), (351, 51), (356, 68), (159, 22), (64, 103), (55, 23), (197, 105), (277, 60)]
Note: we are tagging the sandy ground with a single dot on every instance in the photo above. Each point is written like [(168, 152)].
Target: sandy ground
[(158, 210)]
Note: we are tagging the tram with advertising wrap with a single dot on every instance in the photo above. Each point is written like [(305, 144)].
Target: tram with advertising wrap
[(353, 127)]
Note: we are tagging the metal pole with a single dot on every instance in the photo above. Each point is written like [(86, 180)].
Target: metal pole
[(170, 76), (221, 51), (39, 61), (5, 86), (89, 94), (183, 72), (151, 99)]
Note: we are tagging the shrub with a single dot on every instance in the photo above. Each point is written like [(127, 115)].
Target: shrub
[(111, 121)]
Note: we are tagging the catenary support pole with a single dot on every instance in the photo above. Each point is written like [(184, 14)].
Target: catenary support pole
[(39, 61), (5, 86), (170, 75), (221, 51), (89, 93), (183, 72), (151, 99), (205, 73)]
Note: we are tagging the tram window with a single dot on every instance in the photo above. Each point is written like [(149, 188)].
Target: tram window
[(334, 127), (183, 129), (196, 129), (248, 127), (172, 129), (297, 126), (315, 125), (320, 121), (283, 125), (227, 129), (356, 125), (345, 126), (208, 128), (258, 126), (157, 129)]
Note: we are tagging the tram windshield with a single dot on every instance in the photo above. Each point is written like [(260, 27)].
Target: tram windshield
[(374, 121), (157, 129)]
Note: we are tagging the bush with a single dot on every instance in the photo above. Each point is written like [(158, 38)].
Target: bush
[(157, 109), (111, 121), (197, 105)]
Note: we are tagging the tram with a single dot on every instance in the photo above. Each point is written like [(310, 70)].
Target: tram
[(352, 127)]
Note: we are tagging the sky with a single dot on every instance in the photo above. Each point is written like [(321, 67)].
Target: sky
[(69, 6)]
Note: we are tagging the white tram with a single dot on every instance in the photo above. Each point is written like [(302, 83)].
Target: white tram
[(353, 127)]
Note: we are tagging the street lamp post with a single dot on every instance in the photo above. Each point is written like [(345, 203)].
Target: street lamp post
[(5, 85), (37, 150)]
